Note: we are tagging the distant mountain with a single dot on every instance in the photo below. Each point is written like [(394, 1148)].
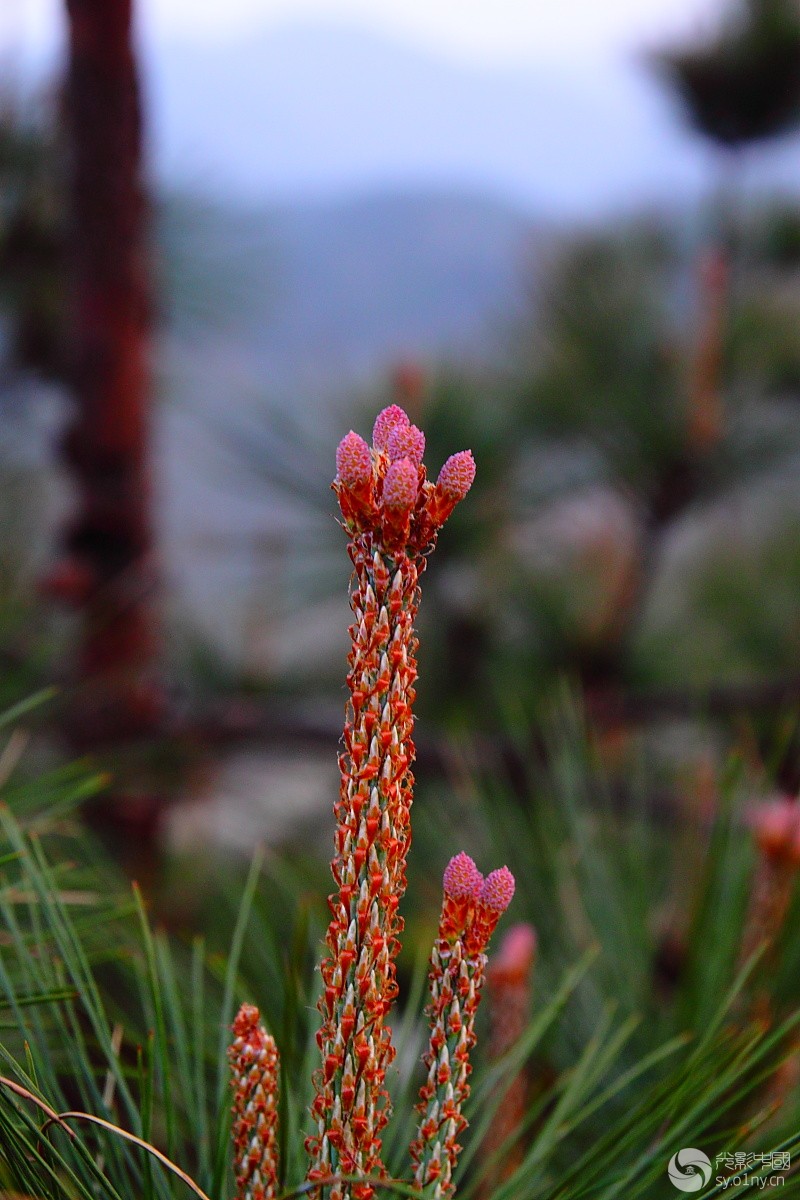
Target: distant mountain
[(282, 313), (321, 296), (322, 110)]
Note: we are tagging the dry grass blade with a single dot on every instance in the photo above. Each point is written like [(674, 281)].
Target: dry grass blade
[(61, 1118), (52, 1116)]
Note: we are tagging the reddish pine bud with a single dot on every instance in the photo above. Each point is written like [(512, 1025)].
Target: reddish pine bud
[(776, 826), (462, 879), (516, 955), (457, 475), (254, 1063), (498, 890), (353, 461), (387, 420), (509, 976), (401, 485), (246, 1021), (406, 441)]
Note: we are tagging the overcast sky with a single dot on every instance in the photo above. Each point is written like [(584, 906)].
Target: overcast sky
[(483, 31)]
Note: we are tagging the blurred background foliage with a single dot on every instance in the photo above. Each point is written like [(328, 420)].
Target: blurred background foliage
[(633, 523)]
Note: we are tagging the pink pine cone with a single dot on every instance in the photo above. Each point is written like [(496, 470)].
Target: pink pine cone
[(387, 420), (406, 441), (457, 475), (498, 890), (401, 485), (462, 879), (353, 461)]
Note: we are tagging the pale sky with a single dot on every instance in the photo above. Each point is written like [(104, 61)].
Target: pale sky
[(492, 32)]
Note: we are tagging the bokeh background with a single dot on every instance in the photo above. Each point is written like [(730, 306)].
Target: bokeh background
[(565, 236)]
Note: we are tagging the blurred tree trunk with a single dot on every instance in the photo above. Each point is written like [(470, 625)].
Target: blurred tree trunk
[(108, 568)]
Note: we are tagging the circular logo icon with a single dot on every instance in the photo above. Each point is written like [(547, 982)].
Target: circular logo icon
[(689, 1170)]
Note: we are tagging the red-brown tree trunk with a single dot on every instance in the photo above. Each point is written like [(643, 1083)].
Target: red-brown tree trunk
[(108, 568)]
